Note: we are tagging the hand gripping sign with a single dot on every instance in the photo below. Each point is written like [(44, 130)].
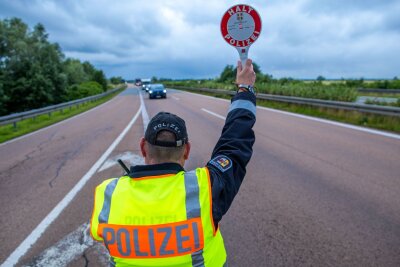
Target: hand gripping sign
[(240, 27)]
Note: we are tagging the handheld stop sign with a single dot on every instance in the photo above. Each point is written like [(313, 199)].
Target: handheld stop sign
[(241, 27)]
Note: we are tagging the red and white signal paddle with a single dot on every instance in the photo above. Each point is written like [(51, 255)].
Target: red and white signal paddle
[(241, 27)]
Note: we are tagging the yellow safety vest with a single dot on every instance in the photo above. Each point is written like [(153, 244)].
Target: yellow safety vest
[(158, 220)]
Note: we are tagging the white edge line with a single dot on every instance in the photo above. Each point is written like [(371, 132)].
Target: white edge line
[(214, 114), (206, 96), (340, 124), (38, 231), (52, 125)]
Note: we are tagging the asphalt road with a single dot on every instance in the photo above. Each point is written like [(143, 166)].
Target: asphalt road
[(315, 193)]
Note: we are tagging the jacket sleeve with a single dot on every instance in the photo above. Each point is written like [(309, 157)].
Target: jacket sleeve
[(232, 153)]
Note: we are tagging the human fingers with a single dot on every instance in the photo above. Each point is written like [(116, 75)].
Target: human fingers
[(249, 63), (239, 66), (251, 68)]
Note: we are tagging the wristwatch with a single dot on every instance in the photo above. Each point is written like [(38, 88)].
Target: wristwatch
[(247, 87)]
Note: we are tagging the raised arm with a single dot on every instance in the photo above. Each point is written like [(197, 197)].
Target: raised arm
[(234, 148)]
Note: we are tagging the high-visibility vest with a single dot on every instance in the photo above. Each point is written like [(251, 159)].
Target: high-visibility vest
[(158, 220)]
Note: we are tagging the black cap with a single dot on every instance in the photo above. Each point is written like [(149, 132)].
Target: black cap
[(165, 121)]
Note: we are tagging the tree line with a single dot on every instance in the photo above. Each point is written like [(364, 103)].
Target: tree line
[(35, 73)]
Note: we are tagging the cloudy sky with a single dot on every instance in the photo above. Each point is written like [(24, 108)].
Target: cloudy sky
[(182, 39)]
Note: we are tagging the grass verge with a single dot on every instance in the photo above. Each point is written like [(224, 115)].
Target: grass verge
[(381, 122), (8, 132)]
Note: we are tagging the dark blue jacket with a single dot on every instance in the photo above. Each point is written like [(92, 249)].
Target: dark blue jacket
[(229, 158), (236, 143)]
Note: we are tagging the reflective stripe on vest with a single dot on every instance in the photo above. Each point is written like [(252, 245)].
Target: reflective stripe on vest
[(193, 210), (156, 241), (105, 210)]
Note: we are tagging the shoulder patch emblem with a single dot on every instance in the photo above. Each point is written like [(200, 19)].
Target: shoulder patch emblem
[(223, 163)]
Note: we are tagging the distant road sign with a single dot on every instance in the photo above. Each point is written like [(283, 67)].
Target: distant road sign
[(241, 27)]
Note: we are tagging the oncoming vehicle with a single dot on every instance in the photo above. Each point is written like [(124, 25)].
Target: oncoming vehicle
[(145, 84), (138, 82), (157, 91)]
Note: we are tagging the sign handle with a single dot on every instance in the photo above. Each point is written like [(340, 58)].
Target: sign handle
[(243, 51)]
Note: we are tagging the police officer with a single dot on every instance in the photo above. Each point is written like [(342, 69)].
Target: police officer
[(163, 215)]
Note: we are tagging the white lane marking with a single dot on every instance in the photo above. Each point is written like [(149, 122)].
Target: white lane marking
[(129, 157), (38, 231), (68, 248), (214, 114), (206, 96), (55, 124), (176, 98), (145, 115), (339, 124)]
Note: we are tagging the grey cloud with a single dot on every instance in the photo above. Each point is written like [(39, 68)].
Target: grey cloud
[(181, 39), (391, 21), (77, 26), (347, 6)]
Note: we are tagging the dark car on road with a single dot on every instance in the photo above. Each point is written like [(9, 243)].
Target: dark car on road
[(157, 91)]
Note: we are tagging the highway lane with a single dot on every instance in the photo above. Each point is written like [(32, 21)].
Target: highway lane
[(314, 194), (36, 172)]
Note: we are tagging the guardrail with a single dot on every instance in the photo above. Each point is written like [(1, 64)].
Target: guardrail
[(14, 118), (375, 109), (381, 91)]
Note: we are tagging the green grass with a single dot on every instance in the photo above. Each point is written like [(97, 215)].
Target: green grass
[(313, 90), (381, 122), (8, 132)]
